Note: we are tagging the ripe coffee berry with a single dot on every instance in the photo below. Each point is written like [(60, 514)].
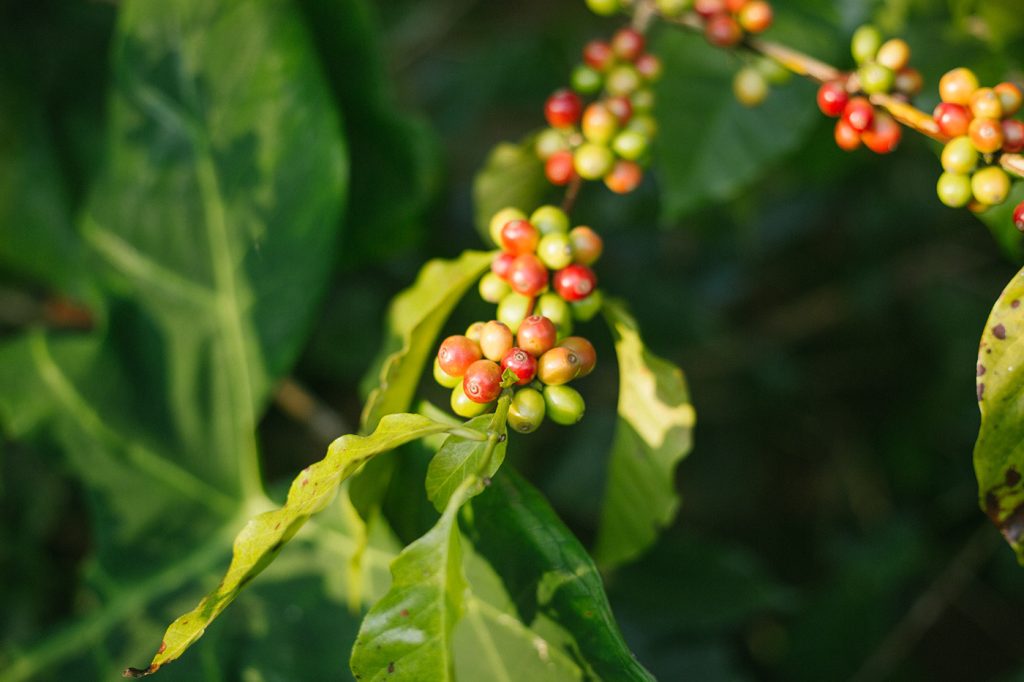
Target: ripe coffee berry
[(755, 16), (956, 86), (621, 108), (709, 8), (559, 168), (575, 282), (1018, 216), (584, 350), (495, 340), (598, 55), (521, 363), (884, 134), (537, 334), (648, 66), (986, 134), (859, 114), (628, 44), (563, 109), (558, 366), (526, 411), (908, 81), (463, 406), (847, 138), (519, 237), (499, 219), (482, 381), (456, 354), (587, 245), (952, 119), (832, 98), (722, 30), (1013, 135), (624, 176), (502, 264), (528, 276)]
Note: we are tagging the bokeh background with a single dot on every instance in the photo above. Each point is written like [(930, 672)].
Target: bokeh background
[(825, 307)]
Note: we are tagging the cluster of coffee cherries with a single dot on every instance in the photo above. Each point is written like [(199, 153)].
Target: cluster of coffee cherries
[(979, 122), (609, 138), (541, 282), (883, 68)]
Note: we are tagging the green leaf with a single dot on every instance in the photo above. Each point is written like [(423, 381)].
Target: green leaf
[(513, 175), (408, 633), (264, 536), (548, 572), (999, 220), (460, 458), (999, 452), (652, 435)]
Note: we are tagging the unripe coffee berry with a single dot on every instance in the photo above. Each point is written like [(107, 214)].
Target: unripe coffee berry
[(1009, 97), (456, 354), (624, 176), (495, 340), (584, 350), (908, 81), (463, 406), (990, 185), (564, 405), (832, 98), (499, 219), (513, 309), (526, 411), (630, 145), (755, 16), (558, 366), (556, 309), (493, 288), (628, 44), (749, 87), (956, 86), (648, 66), (642, 101), (585, 310), (621, 108), (673, 8), (875, 78), (604, 8), (575, 282), (473, 332), (560, 168), (952, 119), (954, 189), (959, 155), (587, 245), (847, 138), (586, 79), (722, 30), (598, 55), (1013, 135), (1018, 216), (537, 334), (444, 378), (519, 237), (528, 276), (859, 114), (550, 219), (865, 43), (593, 161), (502, 264), (884, 134), (482, 381), (599, 124), (520, 363), (623, 80), (549, 141), (554, 250), (894, 54), (985, 103), (986, 134)]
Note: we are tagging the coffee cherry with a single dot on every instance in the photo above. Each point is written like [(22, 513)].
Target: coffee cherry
[(564, 405), (1018, 216), (623, 80), (709, 8), (592, 161), (624, 177), (959, 155), (587, 245), (749, 87), (990, 185), (584, 350), (954, 189), (575, 282), (755, 16), (519, 236), (463, 406), (456, 354), (563, 109), (734, 6), (642, 101), (558, 366), (646, 125), (985, 103), (865, 43), (832, 98), (444, 378), (493, 288), (649, 67), (1013, 135), (628, 44), (621, 108), (495, 340), (473, 332), (908, 81), (952, 119), (1009, 97), (554, 250), (875, 78), (528, 275), (894, 54), (604, 8), (598, 55), (673, 8), (630, 145), (526, 411), (499, 219), (482, 381), (560, 168), (859, 114), (549, 141), (521, 363), (586, 80), (884, 134), (502, 264), (537, 334), (556, 309), (775, 72), (599, 124), (847, 138), (722, 30), (585, 310), (957, 85), (550, 219), (513, 309), (986, 134)]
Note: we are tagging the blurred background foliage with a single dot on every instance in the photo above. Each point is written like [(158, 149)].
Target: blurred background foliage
[(825, 306)]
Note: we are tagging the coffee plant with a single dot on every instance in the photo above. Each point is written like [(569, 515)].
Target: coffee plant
[(175, 289)]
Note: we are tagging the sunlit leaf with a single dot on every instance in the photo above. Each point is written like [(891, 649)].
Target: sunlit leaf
[(459, 458)]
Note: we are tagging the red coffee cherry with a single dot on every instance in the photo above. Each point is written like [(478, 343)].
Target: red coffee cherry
[(522, 364), (846, 137), (587, 245), (584, 350), (628, 44), (519, 236), (709, 8), (528, 276), (621, 108), (456, 354), (1013, 136), (598, 55), (1018, 216), (986, 134), (722, 30), (734, 6), (558, 366), (859, 113), (648, 66), (495, 340), (624, 176), (563, 109), (755, 16), (884, 134), (537, 334), (952, 119), (575, 282), (482, 381), (832, 98), (502, 265), (560, 168)]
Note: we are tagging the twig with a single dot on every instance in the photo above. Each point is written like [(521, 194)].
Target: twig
[(571, 192), (302, 406)]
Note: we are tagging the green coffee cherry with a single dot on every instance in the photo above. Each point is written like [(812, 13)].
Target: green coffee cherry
[(526, 412), (642, 101), (444, 378), (622, 81), (513, 309), (499, 219), (630, 144), (990, 185), (775, 72), (643, 124), (585, 310), (548, 219), (954, 189), (673, 8), (564, 405), (959, 155), (875, 78), (593, 161), (749, 87), (865, 43), (586, 80), (556, 309), (493, 288), (604, 7), (554, 250), (549, 141), (463, 406)]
